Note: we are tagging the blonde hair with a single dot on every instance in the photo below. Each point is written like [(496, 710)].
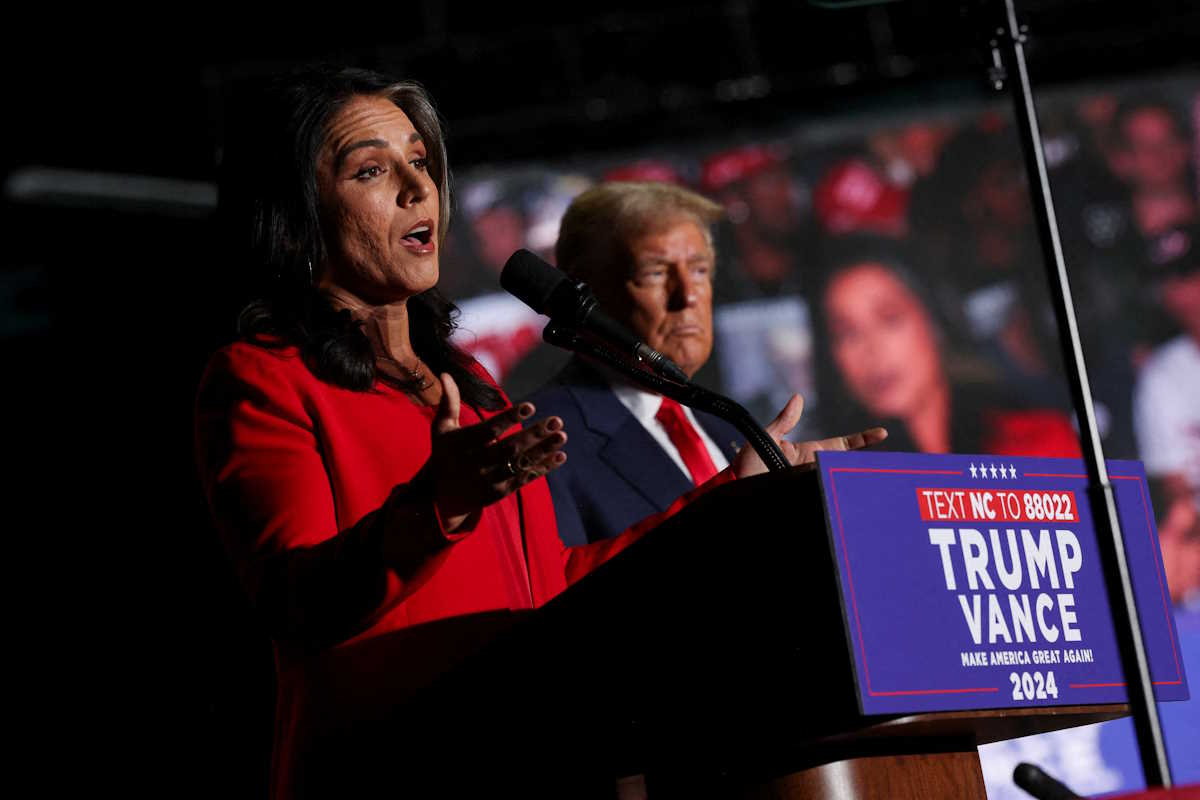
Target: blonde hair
[(599, 224)]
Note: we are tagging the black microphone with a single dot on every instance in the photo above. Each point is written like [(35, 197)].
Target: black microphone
[(549, 291), (1034, 780)]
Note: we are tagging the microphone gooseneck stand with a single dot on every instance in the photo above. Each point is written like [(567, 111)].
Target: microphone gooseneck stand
[(688, 393), (1007, 41)]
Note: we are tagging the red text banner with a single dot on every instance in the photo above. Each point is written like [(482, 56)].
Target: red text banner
[(997, 505)]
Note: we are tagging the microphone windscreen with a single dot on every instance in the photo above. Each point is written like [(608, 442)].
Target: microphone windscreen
[(1034, 780), (530, 279)]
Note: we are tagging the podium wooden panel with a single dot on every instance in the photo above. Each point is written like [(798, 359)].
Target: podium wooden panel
[(711, 656)]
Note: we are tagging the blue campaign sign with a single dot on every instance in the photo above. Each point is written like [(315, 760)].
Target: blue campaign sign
[(973, 582)]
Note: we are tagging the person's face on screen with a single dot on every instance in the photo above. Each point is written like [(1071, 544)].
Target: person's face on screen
[(379, 204), (883, 341), (666, 297), (500, 232), (771, 197), (1155, 153)]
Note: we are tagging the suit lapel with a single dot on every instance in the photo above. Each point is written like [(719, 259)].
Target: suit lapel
[(629, 450), (635, 456)]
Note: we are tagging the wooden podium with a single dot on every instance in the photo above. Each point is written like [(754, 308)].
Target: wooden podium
[(711, 657)]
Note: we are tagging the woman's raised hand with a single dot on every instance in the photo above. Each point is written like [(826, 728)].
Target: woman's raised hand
[(747, 462), (473, 467)]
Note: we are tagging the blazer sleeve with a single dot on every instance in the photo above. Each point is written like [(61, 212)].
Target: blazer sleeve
[(269, 491)]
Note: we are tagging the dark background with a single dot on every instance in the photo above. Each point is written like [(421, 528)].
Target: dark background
[(141, 667)]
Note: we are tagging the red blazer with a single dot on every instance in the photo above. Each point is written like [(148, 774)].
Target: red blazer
[(302, 477)]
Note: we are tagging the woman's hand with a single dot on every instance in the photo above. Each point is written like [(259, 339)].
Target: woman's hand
[(472, 467), (747, 462)]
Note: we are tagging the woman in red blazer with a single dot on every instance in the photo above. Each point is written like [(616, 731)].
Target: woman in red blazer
[(366, 475)]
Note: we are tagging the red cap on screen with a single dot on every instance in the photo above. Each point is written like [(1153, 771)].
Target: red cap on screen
[(731, 166), (853, 196), (651, 171)]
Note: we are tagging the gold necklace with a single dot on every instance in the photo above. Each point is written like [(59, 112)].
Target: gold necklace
[(414, 375)]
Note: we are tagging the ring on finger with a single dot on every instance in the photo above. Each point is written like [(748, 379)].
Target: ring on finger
[(512, 469)]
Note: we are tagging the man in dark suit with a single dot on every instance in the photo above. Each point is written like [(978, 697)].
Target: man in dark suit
[(646, 251)]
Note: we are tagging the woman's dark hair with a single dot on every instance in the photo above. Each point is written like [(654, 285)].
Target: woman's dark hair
[(841, 254), (973, 379), (838, 408), (270, 218)]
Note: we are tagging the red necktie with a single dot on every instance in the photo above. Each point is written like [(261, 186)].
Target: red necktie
[(686, 440)]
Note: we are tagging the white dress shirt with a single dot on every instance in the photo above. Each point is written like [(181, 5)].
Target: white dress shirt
[(644, 406)]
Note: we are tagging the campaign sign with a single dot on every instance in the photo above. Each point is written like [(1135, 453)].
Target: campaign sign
[(974, 582)]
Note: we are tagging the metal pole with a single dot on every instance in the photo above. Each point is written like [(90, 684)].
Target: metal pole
[(1100, 491)]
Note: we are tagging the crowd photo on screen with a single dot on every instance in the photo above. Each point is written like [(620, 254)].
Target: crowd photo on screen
[(887, 267)]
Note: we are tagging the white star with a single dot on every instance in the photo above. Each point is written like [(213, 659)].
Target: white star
[(993, 470), (1003, 471), (1012, 471), (974, 472)]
